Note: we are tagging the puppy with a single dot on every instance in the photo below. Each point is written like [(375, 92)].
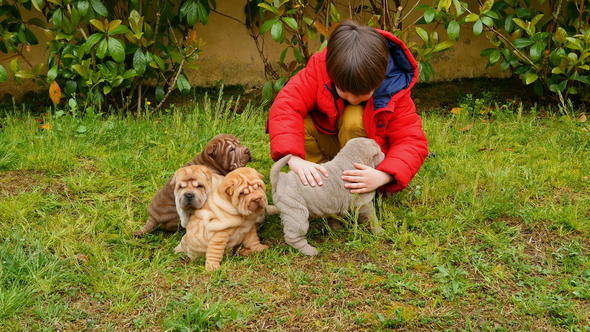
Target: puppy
[(222, 154), (192, 185), (228, 219), (297, 203)]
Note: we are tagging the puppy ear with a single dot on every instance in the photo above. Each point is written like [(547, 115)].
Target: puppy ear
[(211, 149), (261, 176), (229, 191), (173, 180)]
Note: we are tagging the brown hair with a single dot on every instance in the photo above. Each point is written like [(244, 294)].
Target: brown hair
[(357, 57)]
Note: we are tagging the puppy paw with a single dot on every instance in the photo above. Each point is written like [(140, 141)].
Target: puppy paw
[(271, 209), (378, 230), (178, 249), (212, 266), (309, 251), (247, 251), (335, 224)]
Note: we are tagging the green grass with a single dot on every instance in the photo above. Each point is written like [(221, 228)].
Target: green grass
[(491, 235)]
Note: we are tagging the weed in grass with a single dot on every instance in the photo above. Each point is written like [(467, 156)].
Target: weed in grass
[(452, 279)]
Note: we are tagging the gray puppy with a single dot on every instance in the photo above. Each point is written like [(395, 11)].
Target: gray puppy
[(297, 202)]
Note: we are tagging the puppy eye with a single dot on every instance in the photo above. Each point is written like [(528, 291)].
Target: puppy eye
[(232, 149), (180, 186), (200, 186)]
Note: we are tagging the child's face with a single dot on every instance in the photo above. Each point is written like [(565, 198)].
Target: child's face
[(354, 99)]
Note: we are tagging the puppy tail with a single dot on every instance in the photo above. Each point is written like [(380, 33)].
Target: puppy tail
[(149, 226), (276, 170)]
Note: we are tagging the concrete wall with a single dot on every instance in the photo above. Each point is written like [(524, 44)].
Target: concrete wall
[(230, 54)]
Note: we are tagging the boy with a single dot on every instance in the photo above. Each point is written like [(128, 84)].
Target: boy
[(359, 86)]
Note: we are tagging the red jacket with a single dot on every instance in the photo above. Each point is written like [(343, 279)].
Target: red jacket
[(390, 115)]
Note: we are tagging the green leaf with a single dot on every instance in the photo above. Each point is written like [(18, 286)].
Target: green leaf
[(560, 35), (70, 87), (98, 24), (99, 8), (530, 78), (119, 29), (267, 90), (537, 51), (443, 46), (52, 73), (160, 93), (487, 21), (31, 38), (494, 57), (508, 23), (14, 65), (522, 13), (422, 34), (477, 27), (429, 15), (129, 74), (453, 30), (203, 13), (486, 6), (279, 84), (92, 40), (116, 49), (24, 74), (277, 32), (267, 7), (471, 17), (291, 22), (458, 7), (159, 62), (83, 7), (102, 48), (267, 25), (297, 54), (192, 13), (3, 74), (521, 43), (57, 17), (183, 84), (283, 55)]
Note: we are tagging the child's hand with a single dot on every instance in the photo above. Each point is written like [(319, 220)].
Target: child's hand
[(364, 179), (308, 172)]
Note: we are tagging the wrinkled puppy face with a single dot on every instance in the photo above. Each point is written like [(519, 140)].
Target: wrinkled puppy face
[(228, 152), (246, 190), (369, 149), (192, 185)]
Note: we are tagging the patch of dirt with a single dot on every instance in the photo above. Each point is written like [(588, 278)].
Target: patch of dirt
[(13, 183)]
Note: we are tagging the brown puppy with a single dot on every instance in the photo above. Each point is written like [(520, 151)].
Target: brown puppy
[(192, 185), (228, 219), (221, 155)]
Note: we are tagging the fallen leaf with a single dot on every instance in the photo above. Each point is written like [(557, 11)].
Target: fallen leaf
[(456, 110), (466, 127), (82, 258), (582, 118), (55, 92), (45, 126)]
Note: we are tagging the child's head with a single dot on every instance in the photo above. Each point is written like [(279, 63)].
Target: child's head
[(356, 58)]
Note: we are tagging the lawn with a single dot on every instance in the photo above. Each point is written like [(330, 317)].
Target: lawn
[(493, 234)]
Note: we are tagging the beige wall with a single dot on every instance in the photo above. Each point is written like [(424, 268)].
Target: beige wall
[(230, 55)]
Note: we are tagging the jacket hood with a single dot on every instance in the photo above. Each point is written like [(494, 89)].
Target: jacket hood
[(402, 71)]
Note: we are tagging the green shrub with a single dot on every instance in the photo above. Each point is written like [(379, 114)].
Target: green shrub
[(106, 52)]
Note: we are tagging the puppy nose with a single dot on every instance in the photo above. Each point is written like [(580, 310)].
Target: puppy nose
[(189, 196)]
